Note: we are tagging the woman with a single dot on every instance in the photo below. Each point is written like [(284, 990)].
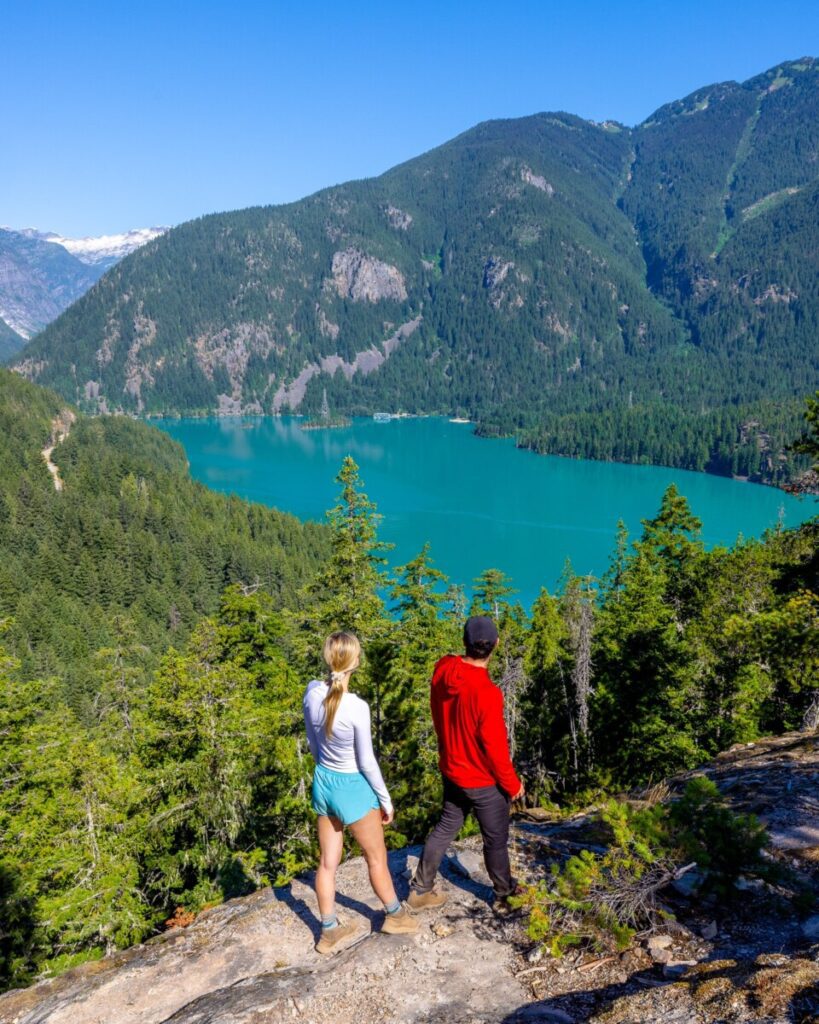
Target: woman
[(348, 789)]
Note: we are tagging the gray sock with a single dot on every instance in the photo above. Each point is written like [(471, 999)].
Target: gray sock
[(394, 907), (329, 922)]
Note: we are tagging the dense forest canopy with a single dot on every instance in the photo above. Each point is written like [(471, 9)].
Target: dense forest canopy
[(130, 544), (157, 639), (646, 294), (10, 342)]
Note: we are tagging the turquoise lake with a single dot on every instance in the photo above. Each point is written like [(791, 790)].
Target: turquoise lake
[(480, 503)]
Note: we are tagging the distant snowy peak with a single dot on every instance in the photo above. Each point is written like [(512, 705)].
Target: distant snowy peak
[(105, 249), (42, 273)]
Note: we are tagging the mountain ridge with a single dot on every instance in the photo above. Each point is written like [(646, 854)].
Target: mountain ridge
[(98, 250), (560, 267)]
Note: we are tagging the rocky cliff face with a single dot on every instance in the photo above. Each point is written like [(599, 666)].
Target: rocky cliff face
[(252, 961), (364, 279), (38, 281)]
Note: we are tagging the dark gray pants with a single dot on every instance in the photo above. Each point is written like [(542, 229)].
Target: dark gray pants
[(491, 807)]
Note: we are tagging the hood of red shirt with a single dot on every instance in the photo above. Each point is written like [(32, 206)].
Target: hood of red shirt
[(452, 674)]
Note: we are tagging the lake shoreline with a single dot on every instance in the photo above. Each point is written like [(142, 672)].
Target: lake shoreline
[(479, 505), (811, 490)]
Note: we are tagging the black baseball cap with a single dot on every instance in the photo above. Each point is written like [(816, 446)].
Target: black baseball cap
[(478, 628)]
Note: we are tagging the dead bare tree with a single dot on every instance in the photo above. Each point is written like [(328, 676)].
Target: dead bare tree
[(514, 683), (810, 720), (579, 618)]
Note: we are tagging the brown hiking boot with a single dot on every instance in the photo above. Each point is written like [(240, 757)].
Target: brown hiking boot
[(331, 938), (402, 922), (501, 905), (426, 900)]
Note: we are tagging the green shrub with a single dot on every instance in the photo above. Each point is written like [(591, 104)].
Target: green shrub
[(705, 829), (601, 899)]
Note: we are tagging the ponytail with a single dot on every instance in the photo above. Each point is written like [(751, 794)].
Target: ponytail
[(341, 653)]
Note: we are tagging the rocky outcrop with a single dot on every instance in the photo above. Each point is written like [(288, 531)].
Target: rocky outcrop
[(499, 285), (536, 180), (495, 272), (326, 327), (292, 394), (750, 959), (776, 293), (137, 368), (398, 218), (362, 278), (252, 961), (231, 349)]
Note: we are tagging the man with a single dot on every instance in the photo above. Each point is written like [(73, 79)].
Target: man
[(473, 754)]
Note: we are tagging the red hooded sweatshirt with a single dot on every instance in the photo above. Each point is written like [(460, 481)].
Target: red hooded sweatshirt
[(467, 710)]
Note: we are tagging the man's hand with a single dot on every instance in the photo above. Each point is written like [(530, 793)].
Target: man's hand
[(387, 817), (520, 794)]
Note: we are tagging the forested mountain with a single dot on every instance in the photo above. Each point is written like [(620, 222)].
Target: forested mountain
[(10, 342), (130, 550), (647, 294)]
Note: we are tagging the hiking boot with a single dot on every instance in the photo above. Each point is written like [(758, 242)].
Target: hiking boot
[(426, 900), (501, 905), (331, 938), (402, 922)]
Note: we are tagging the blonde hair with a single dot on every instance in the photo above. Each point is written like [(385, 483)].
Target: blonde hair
[(341, 652)]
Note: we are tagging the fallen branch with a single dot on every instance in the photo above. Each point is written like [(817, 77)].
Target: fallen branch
[(592, 964), (532, 970)]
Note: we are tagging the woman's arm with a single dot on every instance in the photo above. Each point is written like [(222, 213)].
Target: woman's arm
[(312, 739), (365, 755)]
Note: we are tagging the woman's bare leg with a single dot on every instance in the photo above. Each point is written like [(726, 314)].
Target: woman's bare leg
[(331, 842), (368, 832)]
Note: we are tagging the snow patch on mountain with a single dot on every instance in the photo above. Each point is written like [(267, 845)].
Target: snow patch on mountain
[(105, 248), (96, 250)]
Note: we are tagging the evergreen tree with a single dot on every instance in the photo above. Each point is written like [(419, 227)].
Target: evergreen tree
[(345, 594), (421, 638), (547, 714)]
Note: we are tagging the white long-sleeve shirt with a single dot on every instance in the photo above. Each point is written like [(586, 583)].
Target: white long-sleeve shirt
[(350, 748)]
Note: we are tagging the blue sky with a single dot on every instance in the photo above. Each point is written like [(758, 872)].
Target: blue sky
[(117, 115)]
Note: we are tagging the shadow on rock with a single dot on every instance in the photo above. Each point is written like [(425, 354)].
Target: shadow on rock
[(771, 987), (306, 914)]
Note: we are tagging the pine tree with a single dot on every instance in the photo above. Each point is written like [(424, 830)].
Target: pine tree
[(490, 594), (345, 594), (577, 606), (409, 746)]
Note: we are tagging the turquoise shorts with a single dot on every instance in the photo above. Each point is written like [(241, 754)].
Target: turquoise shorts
[(343, 795)]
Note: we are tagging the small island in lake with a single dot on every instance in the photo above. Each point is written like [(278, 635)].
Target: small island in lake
[(328, 424), (325, 420)]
